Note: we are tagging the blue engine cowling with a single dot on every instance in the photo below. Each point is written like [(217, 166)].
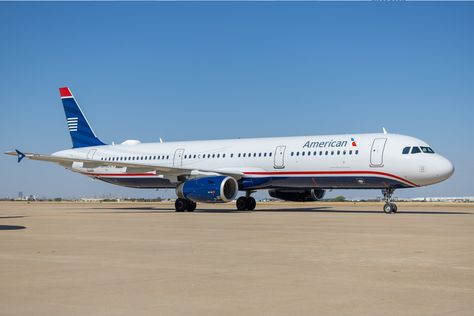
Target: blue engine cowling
[(215, 189)]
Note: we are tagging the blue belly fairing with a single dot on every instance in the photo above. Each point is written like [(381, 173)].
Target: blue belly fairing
[(278, 182)]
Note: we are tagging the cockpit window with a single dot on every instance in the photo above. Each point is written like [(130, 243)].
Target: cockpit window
[(406, 150), (427, 150), (415, 150)]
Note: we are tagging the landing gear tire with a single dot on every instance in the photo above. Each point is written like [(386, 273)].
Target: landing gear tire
[(191, 206), (251, 203), (246, 203), (181, 205), (241, 203), (394, 207), (388, 208)]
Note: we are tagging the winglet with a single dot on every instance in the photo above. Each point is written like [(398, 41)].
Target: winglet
[(20, 155)]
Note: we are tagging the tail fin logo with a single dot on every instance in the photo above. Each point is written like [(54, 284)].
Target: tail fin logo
[(354, 144), (72, 124)]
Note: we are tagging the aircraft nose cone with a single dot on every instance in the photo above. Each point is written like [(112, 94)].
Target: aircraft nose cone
[(445, 168)]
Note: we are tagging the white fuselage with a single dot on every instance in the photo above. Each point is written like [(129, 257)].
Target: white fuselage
[(355, 161)]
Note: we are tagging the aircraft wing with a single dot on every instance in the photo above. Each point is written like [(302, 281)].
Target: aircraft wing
[(90, 163)]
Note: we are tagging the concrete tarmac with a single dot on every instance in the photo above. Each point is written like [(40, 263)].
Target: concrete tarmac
[(283, 259)]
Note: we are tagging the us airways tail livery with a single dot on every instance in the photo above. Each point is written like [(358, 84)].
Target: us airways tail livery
[(291, 168)]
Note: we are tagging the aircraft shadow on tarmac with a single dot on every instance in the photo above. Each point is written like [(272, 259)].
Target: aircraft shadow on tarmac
[(11, 227), (322, 209)]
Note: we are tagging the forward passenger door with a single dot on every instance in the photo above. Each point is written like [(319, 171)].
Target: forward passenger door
[(376, 152)]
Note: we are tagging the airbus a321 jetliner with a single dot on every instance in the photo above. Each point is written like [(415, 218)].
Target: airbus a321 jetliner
[(291, 168)]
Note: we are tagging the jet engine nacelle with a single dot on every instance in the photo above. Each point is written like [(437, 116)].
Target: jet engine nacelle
[(295, 195), (215, 189)]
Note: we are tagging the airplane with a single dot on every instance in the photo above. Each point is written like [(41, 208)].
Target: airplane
[(296, 169)]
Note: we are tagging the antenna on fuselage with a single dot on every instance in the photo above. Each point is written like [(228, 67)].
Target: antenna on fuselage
[(384, 130), (161, 141)]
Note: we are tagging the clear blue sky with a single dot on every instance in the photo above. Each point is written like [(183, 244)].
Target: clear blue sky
[(185, 71)]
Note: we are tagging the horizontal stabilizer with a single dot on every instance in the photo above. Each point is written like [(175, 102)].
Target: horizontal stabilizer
[(20, 155)]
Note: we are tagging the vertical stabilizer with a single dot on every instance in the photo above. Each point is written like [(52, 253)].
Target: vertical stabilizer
[(81, 132)]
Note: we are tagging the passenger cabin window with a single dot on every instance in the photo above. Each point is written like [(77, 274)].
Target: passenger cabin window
[(415, 150), (406, 150)]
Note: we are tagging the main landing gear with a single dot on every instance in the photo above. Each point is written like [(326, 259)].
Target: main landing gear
[(246, 203), (389, 206), (183, 205)]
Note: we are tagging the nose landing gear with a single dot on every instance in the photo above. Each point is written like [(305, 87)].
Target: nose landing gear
[(389, 206)]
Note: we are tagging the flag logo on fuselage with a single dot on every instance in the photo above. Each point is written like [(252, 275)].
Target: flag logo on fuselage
[(353, 142)]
